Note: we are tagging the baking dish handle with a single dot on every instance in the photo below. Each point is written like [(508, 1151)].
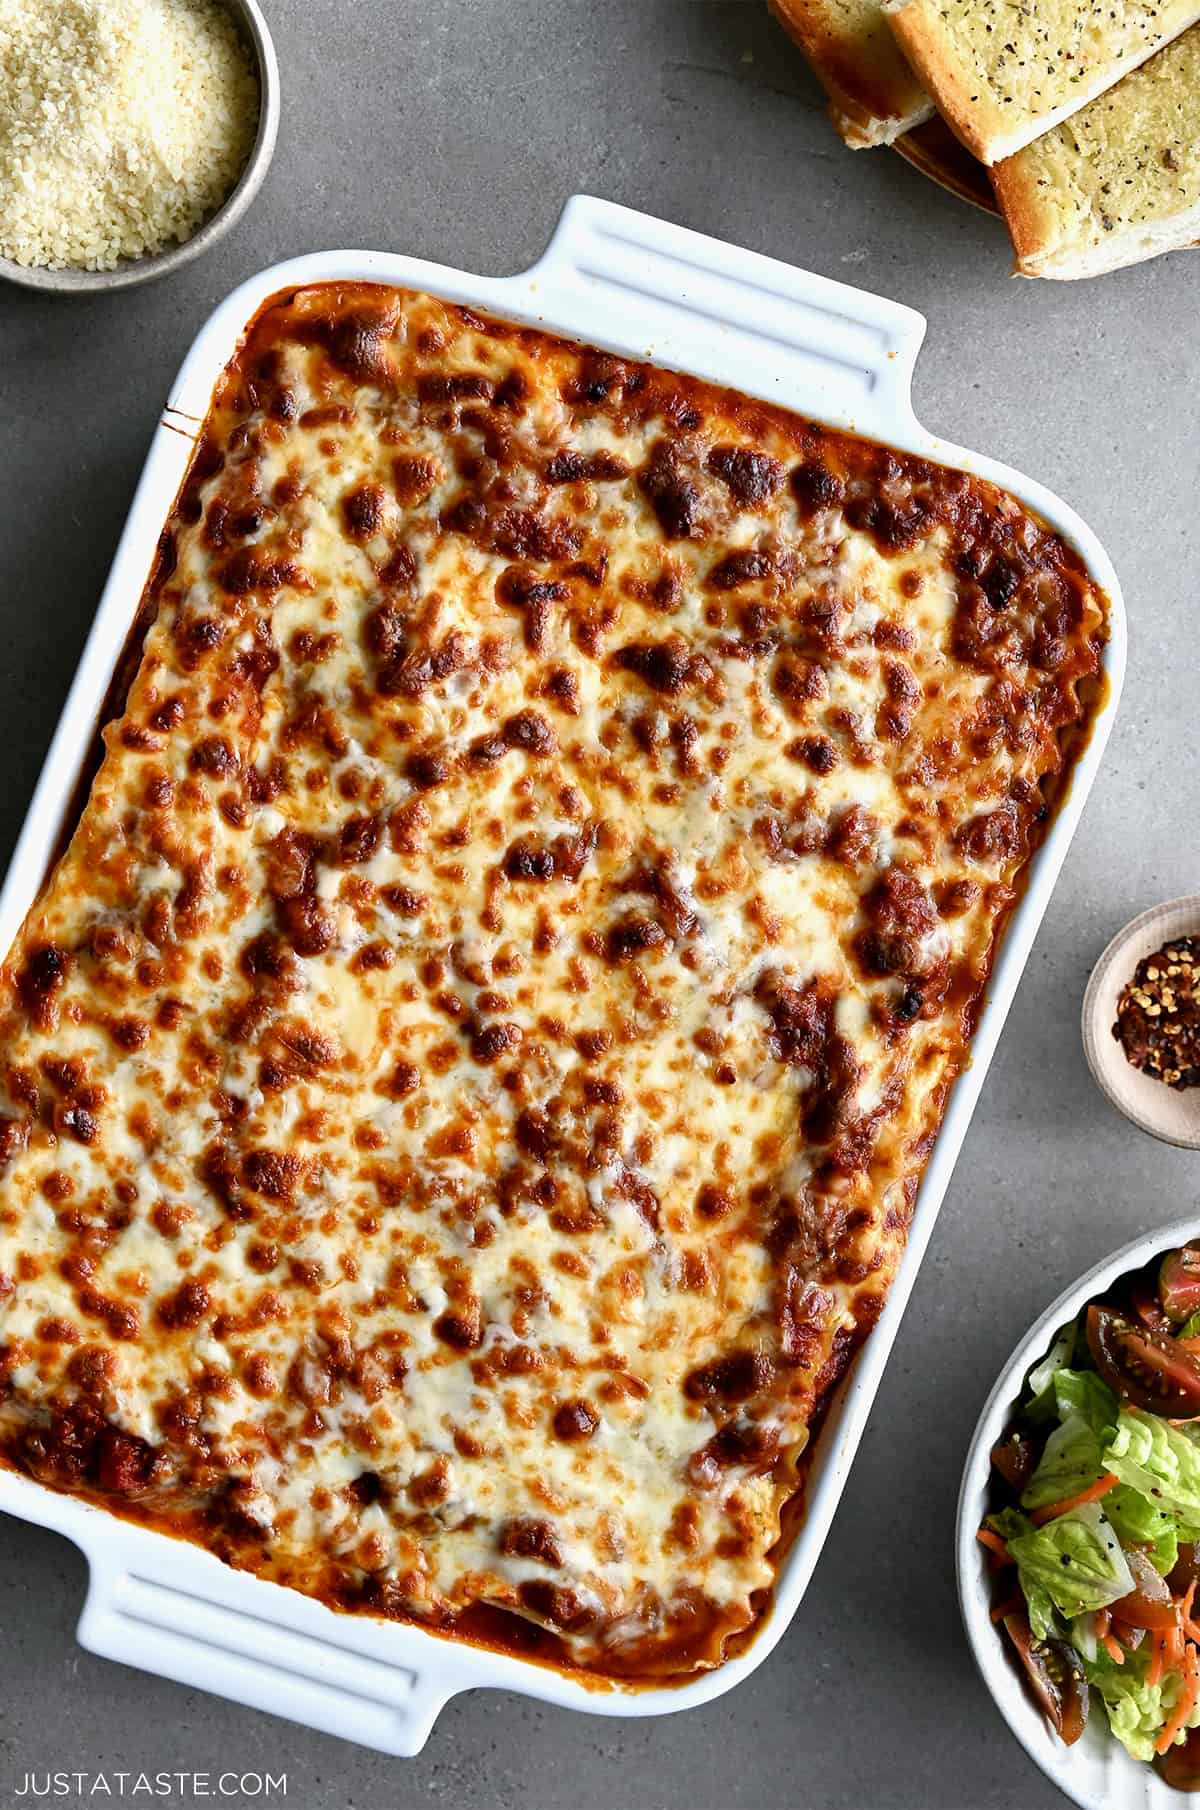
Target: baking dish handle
[(205, 1634), (848, 354)]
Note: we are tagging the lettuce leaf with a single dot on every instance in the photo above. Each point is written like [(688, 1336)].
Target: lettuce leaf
[(1012, 1525), (1136, 1710), (1073, 1454), (1075, 1560), (1083, 1392), (1039, 1384), (1082, 1634), (1161, 1463), (1072, 1458), (1009, 1523), (1137, 1522), (1043, 1621)]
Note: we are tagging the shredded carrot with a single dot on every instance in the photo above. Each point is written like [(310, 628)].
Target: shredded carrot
[(1185, 1705), (1012, 1605), (994, 1543), (1092, 1493), (1168, 1654), (1173, 1649), (1108, 1640), (1190, 1628)]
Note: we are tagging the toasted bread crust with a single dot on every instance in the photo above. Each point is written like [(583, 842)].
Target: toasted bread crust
[(874, 94), (1000, 89), (1026, 213), (969, 111)]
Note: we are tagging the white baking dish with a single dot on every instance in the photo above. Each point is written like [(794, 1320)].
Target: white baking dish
[(642, 288), (1097, 1773)]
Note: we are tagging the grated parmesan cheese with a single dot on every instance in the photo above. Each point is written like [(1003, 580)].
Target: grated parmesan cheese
[(124, 124)]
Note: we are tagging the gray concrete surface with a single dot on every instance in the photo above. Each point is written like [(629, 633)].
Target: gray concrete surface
[(454, 129)]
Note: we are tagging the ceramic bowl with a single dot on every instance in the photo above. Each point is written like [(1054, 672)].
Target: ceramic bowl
[(1151, 1105), (132, 271), (1097, 1773)]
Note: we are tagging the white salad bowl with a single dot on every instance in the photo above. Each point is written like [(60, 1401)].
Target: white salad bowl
[(1097, 1773)]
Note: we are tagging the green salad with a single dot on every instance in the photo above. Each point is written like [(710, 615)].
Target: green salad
[(1095, 1539)]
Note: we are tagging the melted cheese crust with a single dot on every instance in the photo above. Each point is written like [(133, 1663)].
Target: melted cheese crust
[(468, 1078)]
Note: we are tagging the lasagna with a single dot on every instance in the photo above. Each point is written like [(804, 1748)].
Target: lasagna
[(466, 1083)]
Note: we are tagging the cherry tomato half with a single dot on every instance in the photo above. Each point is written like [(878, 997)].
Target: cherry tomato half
[(1149, 1603), (1147, 1307), (1179, 1767), (1187, 1568), (1148, 1369), (1016, 1459), (1179, 1284), (1055, 1677)]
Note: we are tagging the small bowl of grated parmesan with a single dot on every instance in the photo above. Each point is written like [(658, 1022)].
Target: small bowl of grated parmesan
[(133, 135)]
